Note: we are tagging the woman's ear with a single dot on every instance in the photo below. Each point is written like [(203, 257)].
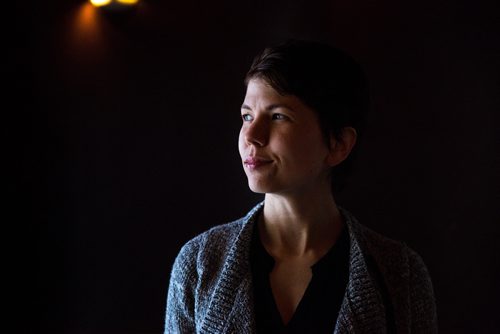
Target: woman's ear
[(341, 148)]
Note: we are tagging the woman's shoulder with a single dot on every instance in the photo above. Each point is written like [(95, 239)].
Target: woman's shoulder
[(208, 249), (219, 236), (380, 243), (386, 250), (391, 249), (403, 269), (368, 237)]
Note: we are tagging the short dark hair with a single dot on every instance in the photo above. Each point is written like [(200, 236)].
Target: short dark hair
[(326, 79)]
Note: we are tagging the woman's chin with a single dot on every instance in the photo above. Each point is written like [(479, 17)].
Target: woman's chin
[(260, 187), (256, 189)]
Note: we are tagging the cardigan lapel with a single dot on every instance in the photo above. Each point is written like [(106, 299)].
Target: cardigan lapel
[(362, 309), (231, 305)]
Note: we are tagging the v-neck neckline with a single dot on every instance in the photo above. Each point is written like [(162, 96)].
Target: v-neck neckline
[(263, 264)]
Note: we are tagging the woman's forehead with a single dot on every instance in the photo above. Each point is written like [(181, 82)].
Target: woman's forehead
[(262, 95)]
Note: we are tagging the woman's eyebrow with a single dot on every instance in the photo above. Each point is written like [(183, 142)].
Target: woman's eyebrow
[(270, 107)]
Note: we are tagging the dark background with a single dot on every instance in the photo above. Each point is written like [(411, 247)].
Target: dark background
[(121, 130)]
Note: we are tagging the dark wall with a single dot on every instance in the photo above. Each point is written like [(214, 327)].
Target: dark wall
[(125, 124)]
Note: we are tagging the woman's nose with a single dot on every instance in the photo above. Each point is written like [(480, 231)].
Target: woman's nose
[(257, 133)]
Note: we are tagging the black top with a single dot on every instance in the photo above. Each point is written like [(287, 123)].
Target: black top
[(319, 307)]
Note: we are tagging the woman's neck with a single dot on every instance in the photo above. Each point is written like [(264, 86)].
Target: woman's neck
[(299, 225)]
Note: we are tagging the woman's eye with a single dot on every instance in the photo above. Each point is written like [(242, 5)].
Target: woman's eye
[(279, 116), (246, 117)]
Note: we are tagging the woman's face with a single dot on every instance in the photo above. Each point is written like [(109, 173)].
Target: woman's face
[(281, 144)]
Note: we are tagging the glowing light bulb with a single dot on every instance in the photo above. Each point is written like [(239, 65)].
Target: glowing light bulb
[(128, 2), (113, 3), (100, 3)]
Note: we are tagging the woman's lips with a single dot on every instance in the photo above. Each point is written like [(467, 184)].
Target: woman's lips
[(255, 162)]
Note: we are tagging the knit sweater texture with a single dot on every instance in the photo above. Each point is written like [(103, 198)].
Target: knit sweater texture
[(210, 290)]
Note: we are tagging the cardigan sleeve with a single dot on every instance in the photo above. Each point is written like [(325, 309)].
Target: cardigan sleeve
[(180, 317), (422, 301)]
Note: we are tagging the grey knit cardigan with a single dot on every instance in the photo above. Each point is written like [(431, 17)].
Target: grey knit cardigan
[(210, 290)]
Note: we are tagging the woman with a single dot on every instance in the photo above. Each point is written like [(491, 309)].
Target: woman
[(298, 263)]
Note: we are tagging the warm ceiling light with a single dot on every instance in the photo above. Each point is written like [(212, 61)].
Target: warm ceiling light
[(113, 3), (128, 2), (100, 3)]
